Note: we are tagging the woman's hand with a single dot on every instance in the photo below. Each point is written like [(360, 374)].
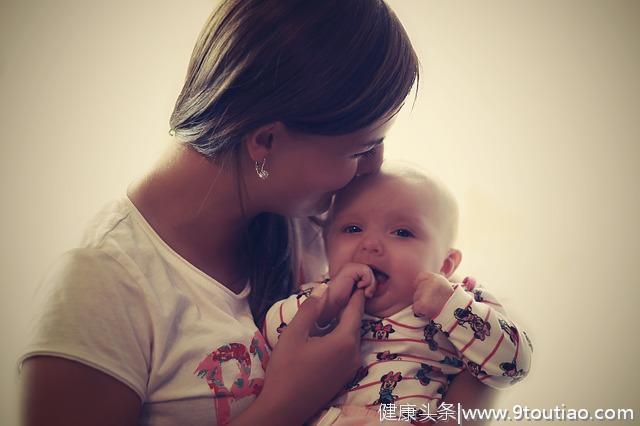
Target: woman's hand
[(305, 372), (470, 393)]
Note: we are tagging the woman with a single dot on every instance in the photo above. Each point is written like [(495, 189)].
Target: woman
[(153, 319)]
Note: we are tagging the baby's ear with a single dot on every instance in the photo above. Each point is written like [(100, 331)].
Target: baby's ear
[(451, 262)]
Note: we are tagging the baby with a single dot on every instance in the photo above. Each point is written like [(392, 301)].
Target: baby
[(391, 234)]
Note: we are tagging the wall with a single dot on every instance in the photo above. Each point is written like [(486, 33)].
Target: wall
[(527, 109)]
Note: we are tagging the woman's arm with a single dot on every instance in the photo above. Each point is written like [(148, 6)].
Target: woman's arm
[(57, 391), (467, 391), (332, 300), (305, 373)]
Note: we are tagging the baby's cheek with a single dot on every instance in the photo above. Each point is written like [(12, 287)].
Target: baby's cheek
[(406, 290), (336, 255), (413, 264)]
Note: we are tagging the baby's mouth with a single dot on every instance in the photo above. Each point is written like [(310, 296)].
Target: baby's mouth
[(381, 277)]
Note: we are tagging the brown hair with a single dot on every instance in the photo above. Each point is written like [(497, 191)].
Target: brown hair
[(324, 67)]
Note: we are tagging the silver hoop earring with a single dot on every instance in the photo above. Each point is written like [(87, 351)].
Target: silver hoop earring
[(260, 170)]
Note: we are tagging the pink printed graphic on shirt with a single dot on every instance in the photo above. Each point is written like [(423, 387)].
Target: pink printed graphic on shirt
[(211, 369), (378, 329)]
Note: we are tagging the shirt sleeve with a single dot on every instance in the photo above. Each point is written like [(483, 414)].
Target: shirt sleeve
[(282, 312), (492, 347), (92, 311)]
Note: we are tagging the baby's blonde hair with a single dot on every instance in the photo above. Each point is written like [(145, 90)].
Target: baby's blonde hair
[(411, 173)]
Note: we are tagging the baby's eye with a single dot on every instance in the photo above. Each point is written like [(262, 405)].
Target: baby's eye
[(404, 233), (351, 229)]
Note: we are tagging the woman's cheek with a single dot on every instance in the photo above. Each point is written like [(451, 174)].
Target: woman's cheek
[(341, 177)]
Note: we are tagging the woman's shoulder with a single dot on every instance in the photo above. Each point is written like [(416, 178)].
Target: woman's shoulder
[(117, 224), (106, 259), (118, 240), (88, 309), (121, 253), (84, 275)]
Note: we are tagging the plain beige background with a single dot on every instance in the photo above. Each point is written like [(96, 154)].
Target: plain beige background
[(529, 110)]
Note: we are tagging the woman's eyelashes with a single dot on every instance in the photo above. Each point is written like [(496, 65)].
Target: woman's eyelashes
[(366, 154)]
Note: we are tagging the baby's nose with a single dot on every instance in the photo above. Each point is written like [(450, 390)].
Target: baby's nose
[(371, 244)]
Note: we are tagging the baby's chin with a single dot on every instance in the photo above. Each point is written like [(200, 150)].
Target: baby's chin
[(378, 307)]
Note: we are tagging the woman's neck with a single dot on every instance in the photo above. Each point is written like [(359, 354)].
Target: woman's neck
[(194, 205)]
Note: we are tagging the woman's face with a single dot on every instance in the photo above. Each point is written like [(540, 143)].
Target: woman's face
[(306, 170)]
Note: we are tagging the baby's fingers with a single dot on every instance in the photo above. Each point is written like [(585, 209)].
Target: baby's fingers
[(419, 308), (420, 302), (370, 290), (365, 278)]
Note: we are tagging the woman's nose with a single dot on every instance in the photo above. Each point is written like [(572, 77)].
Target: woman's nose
[(372, 163)]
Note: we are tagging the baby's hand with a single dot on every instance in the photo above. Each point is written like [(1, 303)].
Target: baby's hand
[(350, 275), (339, 290), (432, 292)]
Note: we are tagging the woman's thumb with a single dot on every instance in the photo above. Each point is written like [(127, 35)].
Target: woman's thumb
[(351, 317)]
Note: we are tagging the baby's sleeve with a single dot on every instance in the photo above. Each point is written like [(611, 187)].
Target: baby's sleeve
[(281, 313), (492, 347)]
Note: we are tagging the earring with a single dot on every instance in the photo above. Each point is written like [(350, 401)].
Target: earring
[(262, 173)]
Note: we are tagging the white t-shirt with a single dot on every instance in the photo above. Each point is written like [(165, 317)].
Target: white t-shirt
[(126, 304)]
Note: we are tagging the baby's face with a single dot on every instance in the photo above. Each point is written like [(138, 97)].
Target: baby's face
[(394, 225)]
